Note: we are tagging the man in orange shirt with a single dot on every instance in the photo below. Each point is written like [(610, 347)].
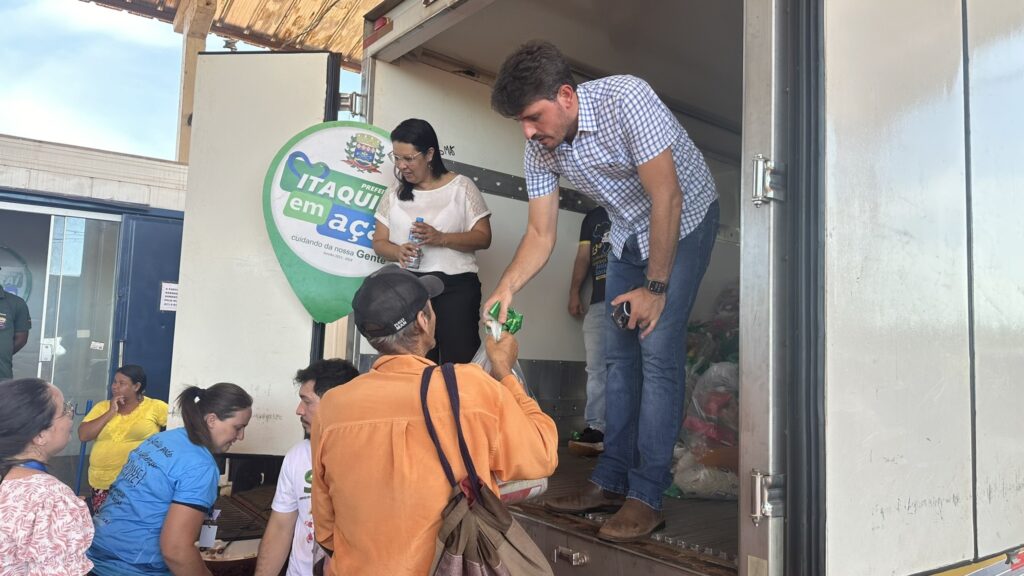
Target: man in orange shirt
[(378, 486)]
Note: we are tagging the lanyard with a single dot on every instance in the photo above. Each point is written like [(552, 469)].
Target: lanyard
[(34, 464)]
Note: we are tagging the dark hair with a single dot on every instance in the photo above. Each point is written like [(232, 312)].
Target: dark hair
[(26, 410), (221, 400), (136, 374), (327, 374), (533, 72), (421, 135)]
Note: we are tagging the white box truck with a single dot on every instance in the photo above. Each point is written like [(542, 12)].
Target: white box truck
[(867, 157)]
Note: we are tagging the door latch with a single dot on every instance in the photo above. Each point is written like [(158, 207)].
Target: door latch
[(573, 557), (769, 181), (767, 496)]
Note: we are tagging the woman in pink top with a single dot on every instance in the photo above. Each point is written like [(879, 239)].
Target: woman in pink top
[(44, 528)]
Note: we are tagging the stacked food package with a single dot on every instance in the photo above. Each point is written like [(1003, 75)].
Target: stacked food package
[(707, 455)]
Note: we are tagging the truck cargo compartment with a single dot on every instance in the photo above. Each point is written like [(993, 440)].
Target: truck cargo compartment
[(699, 537)]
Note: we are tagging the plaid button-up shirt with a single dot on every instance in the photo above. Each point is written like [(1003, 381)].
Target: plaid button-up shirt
[(622, 124)]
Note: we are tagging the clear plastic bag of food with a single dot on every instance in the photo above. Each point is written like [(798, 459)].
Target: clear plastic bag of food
[(512, 491), (495, 329), (481, 360), (713, 410), (700, 349), (697, 480), (708, 456)]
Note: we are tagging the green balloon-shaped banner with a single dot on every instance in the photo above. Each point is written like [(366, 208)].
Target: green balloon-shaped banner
[(319, 198)]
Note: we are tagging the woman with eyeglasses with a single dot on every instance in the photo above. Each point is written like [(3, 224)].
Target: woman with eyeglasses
[(118, 426), (456, 223), (44, 528), (151, 520)]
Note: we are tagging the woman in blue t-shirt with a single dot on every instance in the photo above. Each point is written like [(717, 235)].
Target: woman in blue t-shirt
[(152, 516)]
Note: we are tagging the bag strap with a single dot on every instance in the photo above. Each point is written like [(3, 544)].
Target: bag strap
[(452, 388), (448, 371), (424, 386)]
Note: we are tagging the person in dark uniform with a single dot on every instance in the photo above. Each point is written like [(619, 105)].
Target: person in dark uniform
[(15, 324)]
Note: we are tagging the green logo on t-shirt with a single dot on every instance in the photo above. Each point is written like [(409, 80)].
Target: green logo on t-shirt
[(309, 482)]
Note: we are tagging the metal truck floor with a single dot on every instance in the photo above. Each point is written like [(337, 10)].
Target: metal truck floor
[(700, 536)]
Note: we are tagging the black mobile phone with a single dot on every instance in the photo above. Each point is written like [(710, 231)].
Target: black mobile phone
[(620, 315)]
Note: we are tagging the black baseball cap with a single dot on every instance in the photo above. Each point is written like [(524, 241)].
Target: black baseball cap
[(390, 299)]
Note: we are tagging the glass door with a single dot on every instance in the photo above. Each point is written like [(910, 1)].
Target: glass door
[(64, 263), (76, 345)]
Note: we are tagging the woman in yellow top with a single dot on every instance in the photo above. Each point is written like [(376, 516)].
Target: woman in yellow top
[(118, 426)]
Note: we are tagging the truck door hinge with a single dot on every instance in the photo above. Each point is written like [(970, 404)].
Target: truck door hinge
[(352, 102), (767, 496), (769, 181)]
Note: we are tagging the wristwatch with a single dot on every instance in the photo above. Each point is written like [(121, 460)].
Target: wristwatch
[(655, 287)]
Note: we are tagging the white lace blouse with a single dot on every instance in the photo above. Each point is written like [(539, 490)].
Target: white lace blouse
[(455, 207)]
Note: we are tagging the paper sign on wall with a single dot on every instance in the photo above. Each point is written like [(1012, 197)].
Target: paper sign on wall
[(168, 296), (319, 199)]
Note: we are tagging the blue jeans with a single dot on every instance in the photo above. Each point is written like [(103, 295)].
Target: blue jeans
[(597, 367), (647, 378)]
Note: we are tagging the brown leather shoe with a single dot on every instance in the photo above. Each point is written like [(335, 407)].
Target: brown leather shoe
[(588, 499), (634, 521), (586, 449)]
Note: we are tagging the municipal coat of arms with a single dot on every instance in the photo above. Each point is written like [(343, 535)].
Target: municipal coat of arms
[(364, 152)]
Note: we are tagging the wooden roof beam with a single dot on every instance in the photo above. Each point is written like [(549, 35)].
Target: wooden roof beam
[(193, 21), (195, 17)]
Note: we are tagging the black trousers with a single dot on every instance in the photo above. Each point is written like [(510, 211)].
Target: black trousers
[(458, 318)]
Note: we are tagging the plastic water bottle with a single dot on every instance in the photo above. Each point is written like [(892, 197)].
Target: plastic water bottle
[(414, 262)]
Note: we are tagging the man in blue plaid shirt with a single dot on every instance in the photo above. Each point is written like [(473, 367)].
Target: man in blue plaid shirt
[(618, 144)]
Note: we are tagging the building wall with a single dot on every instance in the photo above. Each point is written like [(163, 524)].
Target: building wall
[(85, 173)]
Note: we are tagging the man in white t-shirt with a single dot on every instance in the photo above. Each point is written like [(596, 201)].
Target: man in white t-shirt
[(290, 527)]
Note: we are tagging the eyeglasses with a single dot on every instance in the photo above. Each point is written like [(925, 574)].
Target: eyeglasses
[(403, 159), (69, 409)]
